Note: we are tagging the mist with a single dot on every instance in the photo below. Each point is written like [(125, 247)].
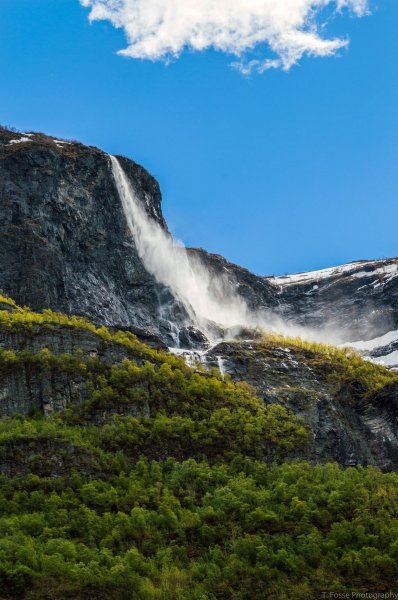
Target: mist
[(205, 298), (209, 301)]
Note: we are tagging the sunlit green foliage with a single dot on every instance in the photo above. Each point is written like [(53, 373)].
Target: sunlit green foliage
[(192, 530), (341, 365), (168, 484)]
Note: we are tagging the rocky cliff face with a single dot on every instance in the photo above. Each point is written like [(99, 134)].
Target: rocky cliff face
[(359, 299), (65, 245), (347, 423), (64, 241), (49, 363), (356, 302)]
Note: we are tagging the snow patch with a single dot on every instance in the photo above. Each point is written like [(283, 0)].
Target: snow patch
[(61, 143), (379, 342), (315, 275), (20, 140), (389, 360), (388, 271)]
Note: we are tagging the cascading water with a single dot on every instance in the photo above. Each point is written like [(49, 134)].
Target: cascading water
[(206, 299), (211, 303), (220, 364)]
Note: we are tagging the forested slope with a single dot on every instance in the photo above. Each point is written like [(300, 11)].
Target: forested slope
[(125, 474)]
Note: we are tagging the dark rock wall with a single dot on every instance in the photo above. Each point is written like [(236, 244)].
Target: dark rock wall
[(64, 240), (26, 388), (345, 426), (361, 303)]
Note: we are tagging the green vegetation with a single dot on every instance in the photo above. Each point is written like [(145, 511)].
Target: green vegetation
[(170, 484), (189, 530), (19, 319), (342, 366)]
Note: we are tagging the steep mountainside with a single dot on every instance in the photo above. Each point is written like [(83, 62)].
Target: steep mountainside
[(64, 241), (356, 302), (350, 407), (351, 416)]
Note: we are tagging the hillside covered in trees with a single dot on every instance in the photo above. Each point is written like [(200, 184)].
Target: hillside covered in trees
[(125, 474)]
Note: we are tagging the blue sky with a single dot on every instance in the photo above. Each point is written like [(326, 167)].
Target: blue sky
[(279, 172)]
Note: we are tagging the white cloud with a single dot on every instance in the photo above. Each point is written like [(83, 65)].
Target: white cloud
[(162, 29)]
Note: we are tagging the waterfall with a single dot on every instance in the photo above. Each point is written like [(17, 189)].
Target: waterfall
[(221, 368), (211, 302), (206, 299)]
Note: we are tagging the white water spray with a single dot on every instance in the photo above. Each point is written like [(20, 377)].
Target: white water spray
[(205, 298), (209, 301)]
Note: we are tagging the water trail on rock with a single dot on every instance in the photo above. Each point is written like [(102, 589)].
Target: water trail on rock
[(220, 364), (205, 298)]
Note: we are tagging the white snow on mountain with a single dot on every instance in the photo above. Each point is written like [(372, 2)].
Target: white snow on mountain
[(385, 270), (379, 342), (20, 140), (368, 348)]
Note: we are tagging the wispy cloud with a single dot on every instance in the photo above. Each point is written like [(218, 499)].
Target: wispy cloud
[(279, 32)]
